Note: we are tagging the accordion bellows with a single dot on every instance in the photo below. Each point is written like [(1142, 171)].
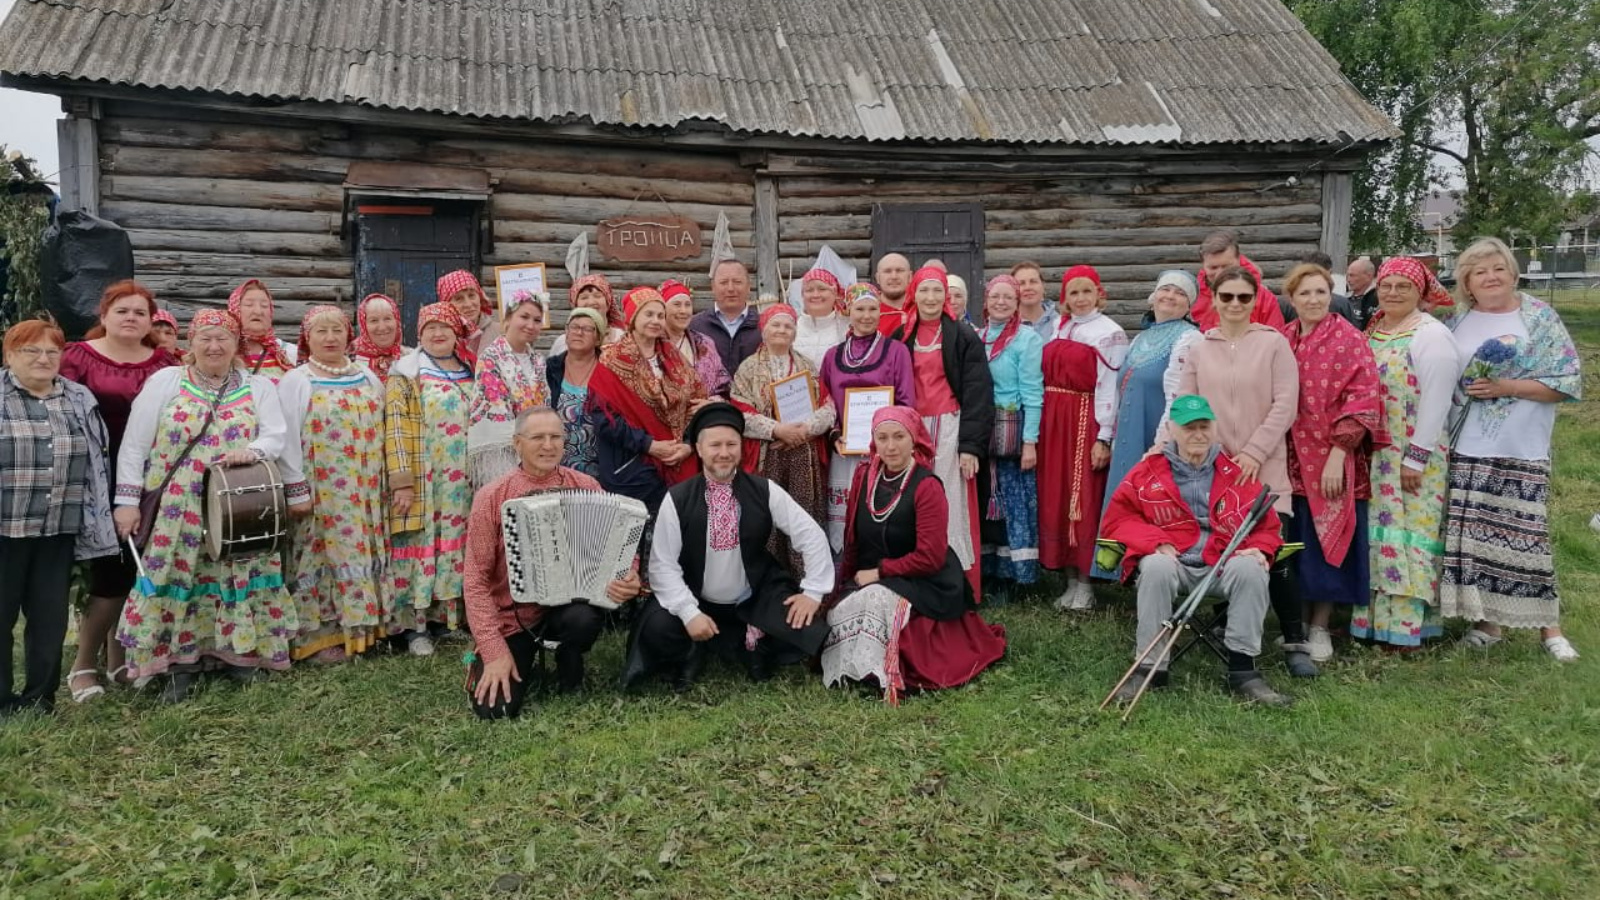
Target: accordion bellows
[(566, 546)]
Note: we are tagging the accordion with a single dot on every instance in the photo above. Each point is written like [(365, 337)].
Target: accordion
[(565, 546)]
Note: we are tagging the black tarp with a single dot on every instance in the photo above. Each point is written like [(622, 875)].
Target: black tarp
[(82, 255)]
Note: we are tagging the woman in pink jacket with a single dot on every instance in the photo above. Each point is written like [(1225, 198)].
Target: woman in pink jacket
[(1248, 373)]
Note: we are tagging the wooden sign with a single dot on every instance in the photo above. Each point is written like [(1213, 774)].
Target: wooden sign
[(648, 238)]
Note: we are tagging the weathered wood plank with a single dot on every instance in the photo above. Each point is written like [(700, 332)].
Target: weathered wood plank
[(1167, 217), (197, 162), (593, 209), (286, 195), (641, 190), (200, 287), (808, 228), (845, 187), (240, 266), (286, 314), (146, 215), (248, 242), (767, 229), (1175, 254), (1337, 196), (1122, 237)]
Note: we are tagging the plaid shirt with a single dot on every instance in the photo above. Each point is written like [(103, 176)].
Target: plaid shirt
[(44, 464)]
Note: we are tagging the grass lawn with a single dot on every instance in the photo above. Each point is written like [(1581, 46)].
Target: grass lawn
[(1446, 774)]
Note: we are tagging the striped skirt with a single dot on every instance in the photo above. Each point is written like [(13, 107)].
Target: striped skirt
[(1498, 564)]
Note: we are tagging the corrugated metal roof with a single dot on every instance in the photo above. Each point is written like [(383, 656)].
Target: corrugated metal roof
[(1013, 71)]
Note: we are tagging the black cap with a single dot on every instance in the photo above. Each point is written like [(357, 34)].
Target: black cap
[(714, 415)]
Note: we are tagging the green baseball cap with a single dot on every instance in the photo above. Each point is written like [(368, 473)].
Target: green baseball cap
[(1191, 408)]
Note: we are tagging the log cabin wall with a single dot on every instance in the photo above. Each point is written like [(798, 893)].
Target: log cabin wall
[(210, 199), (1129, 226)]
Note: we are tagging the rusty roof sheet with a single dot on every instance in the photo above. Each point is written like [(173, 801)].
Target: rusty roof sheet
[(1011, 71)]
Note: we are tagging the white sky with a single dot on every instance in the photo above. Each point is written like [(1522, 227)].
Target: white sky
[(28, 120)]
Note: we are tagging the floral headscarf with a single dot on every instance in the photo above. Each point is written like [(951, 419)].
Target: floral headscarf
[(832, 281), (636, 300), (378, 359), (214, 318), (613, 309), (443, 311), (271, 347)]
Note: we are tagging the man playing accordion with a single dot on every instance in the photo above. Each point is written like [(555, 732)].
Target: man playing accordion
[(508, 634)]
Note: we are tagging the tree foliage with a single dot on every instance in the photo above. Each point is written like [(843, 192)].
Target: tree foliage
[(24, 212), (1508, 91)]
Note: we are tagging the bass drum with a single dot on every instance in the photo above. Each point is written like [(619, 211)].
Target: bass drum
[(245, 512)]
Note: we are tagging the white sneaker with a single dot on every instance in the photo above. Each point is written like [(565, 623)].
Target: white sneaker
[(1064, 602), (1561, 648), (1082, 597), (1321, 644), (418, 644)]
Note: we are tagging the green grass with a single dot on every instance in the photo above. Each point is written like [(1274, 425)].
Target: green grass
[(1450, 774)]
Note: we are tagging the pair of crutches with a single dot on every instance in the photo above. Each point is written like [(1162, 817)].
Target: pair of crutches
[(1182, 616)]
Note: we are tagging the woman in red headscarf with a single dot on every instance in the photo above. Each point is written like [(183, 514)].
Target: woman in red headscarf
[(822, 323), (906, 619), (793, 454), (1419, 364), (696, 349), (593, 292), (955, 397), (1080, 412), (333, 479), (378, 345), (428, 399), (262, 352), (640, 398), (462, 290)]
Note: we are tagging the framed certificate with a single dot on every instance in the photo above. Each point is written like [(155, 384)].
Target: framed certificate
[(860, 404), (791, 399), (509, 281)]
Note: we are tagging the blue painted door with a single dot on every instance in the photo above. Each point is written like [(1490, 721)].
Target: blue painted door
[(402, 249)]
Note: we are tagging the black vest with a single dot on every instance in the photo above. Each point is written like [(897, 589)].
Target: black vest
[(755, 528)]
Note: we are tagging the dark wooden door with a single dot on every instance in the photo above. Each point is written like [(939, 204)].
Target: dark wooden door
[(951, 232), (403, 248)]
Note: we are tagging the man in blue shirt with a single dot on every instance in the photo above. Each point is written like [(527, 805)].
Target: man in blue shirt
[(732, 324)]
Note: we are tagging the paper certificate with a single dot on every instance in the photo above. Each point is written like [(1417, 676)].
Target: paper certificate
[(791, 399), (860, 404), (512, 281)]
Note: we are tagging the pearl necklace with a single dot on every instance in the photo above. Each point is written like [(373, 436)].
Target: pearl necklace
[(881, 516), (207, 381), (349, 368), (872, 348), (916, 340)]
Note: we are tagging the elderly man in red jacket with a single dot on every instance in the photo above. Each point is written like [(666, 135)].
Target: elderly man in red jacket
[(1175, 512)]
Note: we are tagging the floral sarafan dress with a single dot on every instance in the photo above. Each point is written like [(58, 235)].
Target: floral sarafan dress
[(427, 447), (341, 548), (193, 611)]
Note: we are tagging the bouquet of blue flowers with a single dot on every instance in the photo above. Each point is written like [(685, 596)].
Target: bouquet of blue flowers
[(1488, 361)]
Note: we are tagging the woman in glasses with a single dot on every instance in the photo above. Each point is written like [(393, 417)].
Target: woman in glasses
[(1247, 372)]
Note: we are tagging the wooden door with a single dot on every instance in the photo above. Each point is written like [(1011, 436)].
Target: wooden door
[(951, 232), (403, 248)]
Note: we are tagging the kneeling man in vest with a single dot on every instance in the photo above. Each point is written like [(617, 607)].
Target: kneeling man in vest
[(718, 588)]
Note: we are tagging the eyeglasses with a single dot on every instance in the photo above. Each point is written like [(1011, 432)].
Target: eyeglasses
[(1223, 297), (34, 353)]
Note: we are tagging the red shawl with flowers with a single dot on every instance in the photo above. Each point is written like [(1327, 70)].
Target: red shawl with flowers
[(624, 383), (1341, 403)]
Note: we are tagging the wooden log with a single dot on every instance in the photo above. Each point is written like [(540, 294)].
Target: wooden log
[(288, 196), (1163, 217), (566, 184), (524, 232), (240, 266), (843, 187), (1087, 199), (246, 242), (767, 232), (996, 238), (1172, 254), (806, 228), (200, 287), (197, 162), (593, 209), (849, 249), (145, 215)]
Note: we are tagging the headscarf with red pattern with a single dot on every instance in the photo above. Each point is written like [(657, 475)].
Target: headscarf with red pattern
[(453, 283), (271, 347), (214, 318), (444, 312), (378, 359), (1011, 327), (907, 418), (1434, 296), (317, 312), (832, 281), (926, 273), (613, 309), (162, 317), (636, 300)]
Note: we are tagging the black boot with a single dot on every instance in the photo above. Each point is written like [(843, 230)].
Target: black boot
[(569, 672), (1286, 606), (684, 679), (1251, 687), (177, 689)]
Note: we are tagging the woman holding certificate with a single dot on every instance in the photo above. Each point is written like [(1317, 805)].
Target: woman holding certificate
[(867, 368), (955, 397), (785, 415)]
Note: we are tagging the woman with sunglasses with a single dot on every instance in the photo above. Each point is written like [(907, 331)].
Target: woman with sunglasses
[(1247, 372)]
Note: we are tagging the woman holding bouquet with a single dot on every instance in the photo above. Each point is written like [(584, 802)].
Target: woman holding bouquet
[(1520, 363)]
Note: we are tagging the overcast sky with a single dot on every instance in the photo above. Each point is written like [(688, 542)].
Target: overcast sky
[(28, 121)]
